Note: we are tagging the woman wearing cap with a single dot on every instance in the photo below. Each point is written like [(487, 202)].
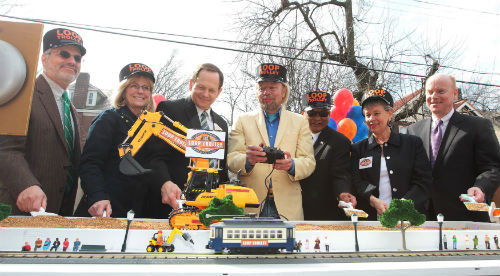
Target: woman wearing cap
[(105, 187), (388, 165)]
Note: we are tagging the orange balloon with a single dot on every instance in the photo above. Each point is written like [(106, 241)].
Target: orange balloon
[(355, 102), (347, 127)]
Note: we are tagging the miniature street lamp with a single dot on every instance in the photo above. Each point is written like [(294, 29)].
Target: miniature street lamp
[(130, 217), (440, 219), (354, 219)]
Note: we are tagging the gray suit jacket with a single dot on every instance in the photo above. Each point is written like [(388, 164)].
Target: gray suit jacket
[(41, 157)]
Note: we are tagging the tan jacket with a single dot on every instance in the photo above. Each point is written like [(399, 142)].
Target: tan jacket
[(294, 136)]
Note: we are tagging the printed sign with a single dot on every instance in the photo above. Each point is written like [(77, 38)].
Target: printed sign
[(205, 144), (365, 163), (254, 243)]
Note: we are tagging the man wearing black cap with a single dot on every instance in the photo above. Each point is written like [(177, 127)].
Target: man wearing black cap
[(195, 111), (276, 185), (331, 178), (39, 170)]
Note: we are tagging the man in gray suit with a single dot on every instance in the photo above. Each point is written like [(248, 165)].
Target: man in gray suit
[(463, 151), (39, 170)]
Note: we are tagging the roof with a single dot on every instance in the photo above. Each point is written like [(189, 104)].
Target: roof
[(406, 99)]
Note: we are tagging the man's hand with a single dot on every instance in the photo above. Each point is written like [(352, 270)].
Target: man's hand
[(477, 193), (284, 164), (170, 192), (378, 204), (255, 154), (347, 197), (98, 208), (31, 199)]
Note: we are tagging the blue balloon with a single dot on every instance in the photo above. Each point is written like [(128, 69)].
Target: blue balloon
[(332, 124), (355, 113), (361, 133)]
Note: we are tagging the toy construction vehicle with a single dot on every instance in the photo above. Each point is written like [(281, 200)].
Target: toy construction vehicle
[(158, 244), (202, 183)]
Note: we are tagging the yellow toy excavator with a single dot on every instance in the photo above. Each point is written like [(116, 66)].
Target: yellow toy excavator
[(202, 183), (157, 243)]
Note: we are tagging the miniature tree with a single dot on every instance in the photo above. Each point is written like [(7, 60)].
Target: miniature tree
[(219, 206), (401, 210), (5, 211)]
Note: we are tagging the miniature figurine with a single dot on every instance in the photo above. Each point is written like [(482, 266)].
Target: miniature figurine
[(307, 244), (65, 244), (487, 241), (466, 241), (316, 245), (46, 245), (454, 238), (76, 245), (55, 244), (475, 240), (38, 244), (327, 244), (299, 246), (26, 247), (495, 238), (445, 242)]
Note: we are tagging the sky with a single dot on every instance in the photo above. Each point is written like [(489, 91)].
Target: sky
[(475, 25)]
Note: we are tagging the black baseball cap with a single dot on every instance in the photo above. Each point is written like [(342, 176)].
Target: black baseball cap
[(271, 72), (378, 94), (62, 37), (136, 68), (318, 99)]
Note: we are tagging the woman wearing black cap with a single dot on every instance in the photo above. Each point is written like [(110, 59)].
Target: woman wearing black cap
[(388, 165), (105, 187)]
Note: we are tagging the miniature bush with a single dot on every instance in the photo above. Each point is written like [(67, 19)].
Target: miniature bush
[(5, 211), (217, 206)]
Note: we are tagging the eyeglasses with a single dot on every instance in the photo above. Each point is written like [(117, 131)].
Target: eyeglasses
[(137, 87), (322, 113), (65, 54)]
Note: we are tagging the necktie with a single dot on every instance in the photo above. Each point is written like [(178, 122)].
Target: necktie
[(68, 134), (436, 138), (204, 125)]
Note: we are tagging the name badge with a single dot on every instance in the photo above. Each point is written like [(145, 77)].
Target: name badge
[(365, 163)]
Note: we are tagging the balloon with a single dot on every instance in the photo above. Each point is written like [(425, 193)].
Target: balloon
[(356, 115), (157, 98), (355, 102), (347, 127), (336, 114), (361, 134), (343, 100), (332, 124)]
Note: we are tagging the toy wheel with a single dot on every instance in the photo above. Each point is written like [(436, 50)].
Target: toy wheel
[(161, 249), (170, 248), (150, 248)]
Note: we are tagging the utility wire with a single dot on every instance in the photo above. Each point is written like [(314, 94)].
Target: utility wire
[(455, 7), (231, 49)]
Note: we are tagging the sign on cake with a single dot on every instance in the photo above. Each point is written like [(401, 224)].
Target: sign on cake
[(202, 143)]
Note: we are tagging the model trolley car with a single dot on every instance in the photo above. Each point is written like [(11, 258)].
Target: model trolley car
[(252, 235)]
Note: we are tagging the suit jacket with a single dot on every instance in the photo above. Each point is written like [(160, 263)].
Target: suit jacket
[(331, 177), (408, 167), (294, 136), (469, 156), (41, 157), (170, 164)]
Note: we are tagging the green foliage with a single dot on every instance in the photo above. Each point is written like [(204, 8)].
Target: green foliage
[(401, 210), (219, 206), (5, 211)]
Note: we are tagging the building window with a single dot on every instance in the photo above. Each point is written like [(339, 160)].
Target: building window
[(91, 98)]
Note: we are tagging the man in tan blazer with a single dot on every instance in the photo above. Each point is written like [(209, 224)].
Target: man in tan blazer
[(40, 169), (273, 126)]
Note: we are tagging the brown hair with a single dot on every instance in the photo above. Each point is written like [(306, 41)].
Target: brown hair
[(120, 98), (208, 67)]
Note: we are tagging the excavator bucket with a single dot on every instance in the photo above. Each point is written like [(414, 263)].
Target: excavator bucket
[(129, 166)]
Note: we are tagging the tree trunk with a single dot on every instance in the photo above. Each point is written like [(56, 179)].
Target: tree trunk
[(403, 229)]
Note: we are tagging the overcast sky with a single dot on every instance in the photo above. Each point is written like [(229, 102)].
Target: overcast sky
[(473, 24)]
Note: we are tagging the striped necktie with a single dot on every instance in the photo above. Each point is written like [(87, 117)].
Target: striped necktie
[(68, 134), (204, 125)]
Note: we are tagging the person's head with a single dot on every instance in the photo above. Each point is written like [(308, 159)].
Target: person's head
[(206, 85), (62, 56), (272, 87), (377, 107), (136, 88), (440, 93), (318, 110)]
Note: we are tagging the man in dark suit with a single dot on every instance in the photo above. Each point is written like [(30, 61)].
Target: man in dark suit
[(463, 150), (331, 179), (40, 169), (171, 166)]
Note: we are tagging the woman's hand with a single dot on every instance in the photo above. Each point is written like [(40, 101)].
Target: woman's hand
[(378, 204), (97, 209)]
